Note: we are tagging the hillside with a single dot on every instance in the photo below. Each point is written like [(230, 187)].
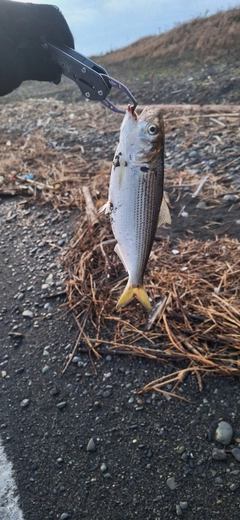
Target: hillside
[(214, 36), (196, 62)]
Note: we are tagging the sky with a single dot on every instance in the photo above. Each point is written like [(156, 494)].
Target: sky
[(100, 26)]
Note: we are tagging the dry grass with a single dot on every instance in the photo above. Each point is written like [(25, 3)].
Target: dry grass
[(195, 293), (216, 35)]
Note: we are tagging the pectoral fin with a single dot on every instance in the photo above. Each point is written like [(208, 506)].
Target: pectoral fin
[(129, 292), (164, 213), (106, 208), (120, 255)]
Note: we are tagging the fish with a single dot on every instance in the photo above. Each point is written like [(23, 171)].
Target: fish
[(136, 203)]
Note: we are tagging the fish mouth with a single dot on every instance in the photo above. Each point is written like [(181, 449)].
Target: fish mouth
[(131, 111)]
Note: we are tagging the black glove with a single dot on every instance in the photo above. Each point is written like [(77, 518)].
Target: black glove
[(23, 28)]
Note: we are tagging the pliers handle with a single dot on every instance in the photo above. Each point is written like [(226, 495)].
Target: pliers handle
[(92, 79)]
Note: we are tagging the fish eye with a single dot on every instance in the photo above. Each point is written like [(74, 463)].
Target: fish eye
[(152, 129)]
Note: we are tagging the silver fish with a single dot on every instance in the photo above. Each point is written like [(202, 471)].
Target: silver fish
[(136, 204)]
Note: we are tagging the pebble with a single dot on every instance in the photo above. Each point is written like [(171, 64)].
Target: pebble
[(184, 214), (54, 391), (76, 359), (25, 403), (229, 198), (238, 222), (171, 483), (236, 454), (49, 279), (224, 433), (64, 516), (103, 467), (218, 454), (106, 393), (45, 287), (183, 505), (48, 307), (201, 204), (91, 445), (61, 405), (233, 487), (28, 314), (178, 510), (45, 369)]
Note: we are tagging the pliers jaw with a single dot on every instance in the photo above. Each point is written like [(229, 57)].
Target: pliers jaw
[(92, 79)]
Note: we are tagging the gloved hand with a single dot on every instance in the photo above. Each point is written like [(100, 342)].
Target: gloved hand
[(23, 28)]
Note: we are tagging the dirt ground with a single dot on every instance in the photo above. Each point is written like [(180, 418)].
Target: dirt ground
[(138, 441)]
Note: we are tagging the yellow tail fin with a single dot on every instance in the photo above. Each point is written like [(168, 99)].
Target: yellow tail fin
[(129, 292)]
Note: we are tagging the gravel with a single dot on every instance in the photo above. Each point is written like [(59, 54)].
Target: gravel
[(158, 452)]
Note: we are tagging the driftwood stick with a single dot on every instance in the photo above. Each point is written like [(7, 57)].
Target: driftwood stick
[(203, 181), (217, 110), (90, 208)]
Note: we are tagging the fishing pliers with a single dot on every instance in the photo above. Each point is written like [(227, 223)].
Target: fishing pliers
[(92, 79)]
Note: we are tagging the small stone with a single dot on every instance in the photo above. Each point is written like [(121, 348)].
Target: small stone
[(180, 450), (184, 214), (238, 222), (45, 369), (224, 433), (218, 454), (48, 307), (233, 487), (201, 204), (61, 405), (91, 445), (64, 516), (229, 198), (178, 510), (236, 454), (106, 393), (49, 279), (28, 314), (184, 505), (175, 252), (171, 483), (219, 480), (25, 403), (54, 391), (103, 467), (76, 360), (45, 287)]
